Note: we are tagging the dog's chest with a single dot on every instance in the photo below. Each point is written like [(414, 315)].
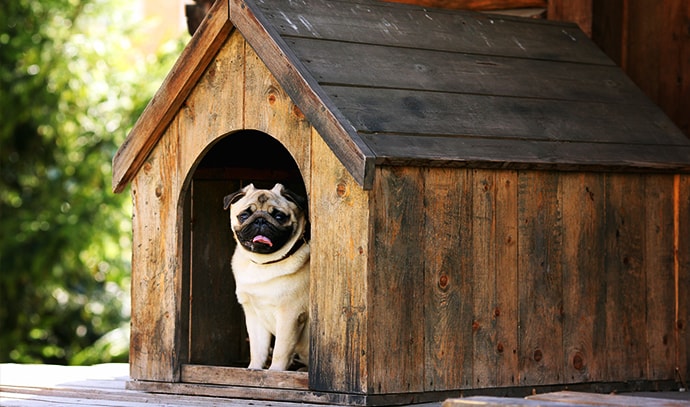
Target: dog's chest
[(270, 285)]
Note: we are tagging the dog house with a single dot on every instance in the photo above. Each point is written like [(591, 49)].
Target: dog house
[(494, 206)]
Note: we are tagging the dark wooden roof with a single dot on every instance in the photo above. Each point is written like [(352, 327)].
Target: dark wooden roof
[(393, 84)]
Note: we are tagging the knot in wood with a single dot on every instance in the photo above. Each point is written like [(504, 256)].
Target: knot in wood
[(297, 112), (538, 356), (341, 189), (443, 282), (578, 361)]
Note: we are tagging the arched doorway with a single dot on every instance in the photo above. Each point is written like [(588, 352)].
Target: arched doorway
[(216, 334)]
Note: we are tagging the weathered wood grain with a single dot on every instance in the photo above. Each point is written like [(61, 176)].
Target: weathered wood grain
[(587, 399), (582, 200), (682, 274), (448, 279), (155, 289), (540, 276), (649, 46), (341, 251), (413, 112), (248, 394), (395, 283), (340, 63), (625, 277), (505, 240), (660, 275), (444, 30), (482, 282), (484, 152), (244, 377)]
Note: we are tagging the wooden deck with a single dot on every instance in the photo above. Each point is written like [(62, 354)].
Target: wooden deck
[(104, 385)]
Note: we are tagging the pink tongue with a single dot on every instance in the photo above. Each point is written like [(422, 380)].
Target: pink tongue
[(262, 239)]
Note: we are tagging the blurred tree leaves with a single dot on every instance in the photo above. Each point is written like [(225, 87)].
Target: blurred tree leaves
[(72, 83)]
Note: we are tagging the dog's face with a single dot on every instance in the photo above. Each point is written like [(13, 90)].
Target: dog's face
[(266, 221)]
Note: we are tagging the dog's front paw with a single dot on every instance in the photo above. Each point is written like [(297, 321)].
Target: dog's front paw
[(255, 365), (277, 365)]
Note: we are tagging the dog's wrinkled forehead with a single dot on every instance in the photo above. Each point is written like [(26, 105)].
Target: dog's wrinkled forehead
[(253, 199), (265, 200)]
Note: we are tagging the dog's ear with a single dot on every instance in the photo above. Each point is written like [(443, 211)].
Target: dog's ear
[(298, 200), (232, 198)]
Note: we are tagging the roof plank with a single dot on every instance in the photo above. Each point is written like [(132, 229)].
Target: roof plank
[(402, 25), (459, 114), (377, 66), (483, 152)]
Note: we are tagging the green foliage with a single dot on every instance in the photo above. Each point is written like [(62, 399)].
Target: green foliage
[(72, 84)]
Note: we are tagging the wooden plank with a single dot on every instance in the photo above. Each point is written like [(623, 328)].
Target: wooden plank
[(341, 249), (449, 279), (491, 401), (217, 330), (540, 276), (452, 114), (660, 277), (482, 281), (494, 278), (336, 63), (657, 52), (248, 394), (579, 398), (175, 88), (582, 198), (507, 285), (155, 341), (682, 276), (475, 4), (625, 276), (303, 90), (399, 25), (481, 152), (395, 283), (244, 377)]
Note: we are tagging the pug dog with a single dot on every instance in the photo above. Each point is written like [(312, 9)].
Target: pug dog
[(271, 269)]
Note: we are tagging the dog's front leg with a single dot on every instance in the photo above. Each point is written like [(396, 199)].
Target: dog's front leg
[(288, 332), (259, 340)]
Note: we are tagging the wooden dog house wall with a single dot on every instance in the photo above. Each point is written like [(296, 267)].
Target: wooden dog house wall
[(494, 206)]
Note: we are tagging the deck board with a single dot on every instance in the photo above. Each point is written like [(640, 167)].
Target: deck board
[(104, 385)]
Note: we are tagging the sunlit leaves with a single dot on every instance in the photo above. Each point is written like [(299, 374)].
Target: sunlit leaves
[(71, 87)]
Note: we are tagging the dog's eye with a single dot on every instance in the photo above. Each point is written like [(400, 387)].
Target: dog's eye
[(243, 216), (279, 216)]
